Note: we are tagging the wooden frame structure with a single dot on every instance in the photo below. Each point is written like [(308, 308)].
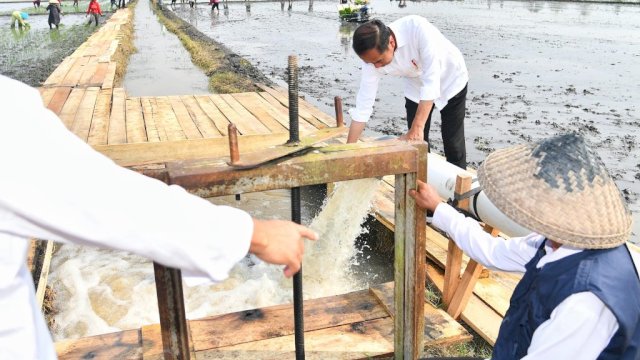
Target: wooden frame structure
[(213, 177)]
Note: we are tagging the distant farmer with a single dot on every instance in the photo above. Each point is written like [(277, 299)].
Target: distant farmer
[(93, 11), (215, 4), (36, 3), (19, 17), (54, 13), (75, 3), (122, 4), (192, 3), (114, 5), (434, 74), (579, 297)]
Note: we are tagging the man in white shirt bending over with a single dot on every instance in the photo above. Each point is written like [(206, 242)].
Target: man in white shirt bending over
[(434, 72), (56, 187), (579, 297)]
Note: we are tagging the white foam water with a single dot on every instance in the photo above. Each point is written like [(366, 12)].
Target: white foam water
[(100, 291)]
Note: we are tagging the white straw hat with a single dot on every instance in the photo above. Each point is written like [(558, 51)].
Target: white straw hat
[(558, 188)]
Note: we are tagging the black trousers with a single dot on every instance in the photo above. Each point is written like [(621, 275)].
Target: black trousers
[(452, 128)]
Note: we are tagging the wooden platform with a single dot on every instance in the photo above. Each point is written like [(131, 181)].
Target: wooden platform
[(357, 325)]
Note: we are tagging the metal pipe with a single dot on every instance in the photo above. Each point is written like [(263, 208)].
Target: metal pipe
[(337, 103)]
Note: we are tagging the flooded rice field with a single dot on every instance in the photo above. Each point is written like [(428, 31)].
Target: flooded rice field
[(160, 66), (31, 55), (537, 68)]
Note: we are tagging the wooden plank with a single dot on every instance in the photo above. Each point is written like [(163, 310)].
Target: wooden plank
[(281, 113), (88, 72), (283, 98), (58, 99), (165, 151), (245, 126), (99, 74), (153, 134), (454, 253), (110, 76), (134, 121), (325, 118), (478, 315), (120, 345), (98, 134), (188, 126), (70, 108), (439, 326), (251, 102), (44, 273), (358, 340), (217, 118), (465, 289), (60, 72), (117, 128), (82, 122), (202, 121), (168, 119), (46, 94), (74, 74), (259, 324), (271, 95)]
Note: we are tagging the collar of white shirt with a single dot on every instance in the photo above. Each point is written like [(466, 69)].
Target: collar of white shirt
[(554, 255)]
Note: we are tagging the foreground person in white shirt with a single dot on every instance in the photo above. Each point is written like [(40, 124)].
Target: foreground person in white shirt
[(434, 73), (54, 186), (580, 295)]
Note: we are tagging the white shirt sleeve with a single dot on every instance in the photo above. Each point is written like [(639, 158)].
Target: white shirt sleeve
[(430, 64), (492, 252), (579, 328), (54, 186), (366, 94)]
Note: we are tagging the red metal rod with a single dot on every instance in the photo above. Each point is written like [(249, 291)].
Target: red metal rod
[(337, 101)]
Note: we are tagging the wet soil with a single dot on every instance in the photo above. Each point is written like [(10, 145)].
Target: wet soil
[(31, 55), (537, 68)]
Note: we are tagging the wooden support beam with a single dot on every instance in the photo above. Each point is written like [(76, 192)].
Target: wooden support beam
[(409, 264), (173, 322), (208, 178), (454, 253), (465, 289)]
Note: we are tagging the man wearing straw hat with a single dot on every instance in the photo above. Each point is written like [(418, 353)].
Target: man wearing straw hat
[(580, 294)]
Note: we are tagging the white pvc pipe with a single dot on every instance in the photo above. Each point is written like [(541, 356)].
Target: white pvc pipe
[(442, 176)]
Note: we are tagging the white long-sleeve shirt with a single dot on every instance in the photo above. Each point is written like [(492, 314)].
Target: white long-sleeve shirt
[(54, 186), (579, 328), (432, 67)]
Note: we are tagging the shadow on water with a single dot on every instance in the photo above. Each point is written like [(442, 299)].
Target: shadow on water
[(161, 65), (536, 68), (31, 54)]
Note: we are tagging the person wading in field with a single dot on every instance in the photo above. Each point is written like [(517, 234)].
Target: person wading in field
[(93, 11)]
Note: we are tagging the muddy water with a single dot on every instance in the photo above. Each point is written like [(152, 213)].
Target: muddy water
[(30, 55), (536, 68), (161, 65)]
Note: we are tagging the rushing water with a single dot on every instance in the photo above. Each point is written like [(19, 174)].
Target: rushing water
[(99, 291)]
